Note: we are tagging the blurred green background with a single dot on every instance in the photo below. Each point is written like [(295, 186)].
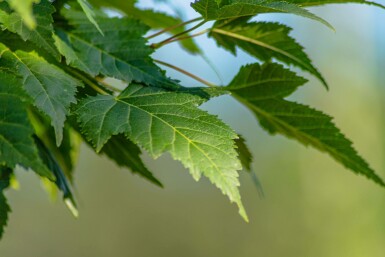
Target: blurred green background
[(312, 205)]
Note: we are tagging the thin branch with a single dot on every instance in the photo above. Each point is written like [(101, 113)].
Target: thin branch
[(186, 73), (88, 81), (188, 36), (157, 45), (173, 27)]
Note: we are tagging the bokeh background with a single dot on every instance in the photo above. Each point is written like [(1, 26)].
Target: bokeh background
[(312, 205)]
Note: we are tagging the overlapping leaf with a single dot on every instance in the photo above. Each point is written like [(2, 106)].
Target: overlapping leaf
[(231, 9), (153, 19), (41, 36), (51, 89), (263, 40), (308, 126), (16, 143), (161, 121), (126, 154), (323, 2), (61, 180), (68, 152), (89, 13), (121, 53), (25, 11), (4, 207)]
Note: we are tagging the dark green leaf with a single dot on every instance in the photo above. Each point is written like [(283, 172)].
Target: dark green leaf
[(264, 40), (61, 180), (41, 36), (323, 2), (231, 9), (244, 153), (127, 154), (308, 126), (51, 89), (4, 207), (161, 121), (16, 144), (121, 53)]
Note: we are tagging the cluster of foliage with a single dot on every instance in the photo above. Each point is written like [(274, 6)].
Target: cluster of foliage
[(55, 57)]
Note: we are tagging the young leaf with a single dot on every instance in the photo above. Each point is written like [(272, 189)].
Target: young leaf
[(16, 144), (41, 36), (25, 11), (212, 10), (161, 121), (126, 154), (308, 126), (121, 53), (89, 13), (263, 40), (51, 89), (4, 207), (61, 180)]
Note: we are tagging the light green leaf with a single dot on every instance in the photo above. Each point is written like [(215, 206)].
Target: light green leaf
[(121, 53), (161, 121), (126, 154), (16, 143), (5, 174), (231, 9), (89, 13), (308, 126), (263, 40), (52, 90), (25, 11), (41, 36)]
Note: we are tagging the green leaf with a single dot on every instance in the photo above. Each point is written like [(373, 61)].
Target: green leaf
[(323, 2), (153, 19), (67, 153), (24, 9), (244, 153), (308, 126), (52, 90), (61, 180), (263, 40), (161, 121), (121, 53), (126, 154), (270, 80), (231, 9), (16, 143), (41, 36), (5, 174), (246, 159), (89, 13)]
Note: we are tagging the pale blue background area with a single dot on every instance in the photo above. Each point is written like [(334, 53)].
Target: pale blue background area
[(313, 206)]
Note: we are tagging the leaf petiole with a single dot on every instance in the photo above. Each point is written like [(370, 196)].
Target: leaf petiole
[(174, 27), (209, 84), (166, 41)]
